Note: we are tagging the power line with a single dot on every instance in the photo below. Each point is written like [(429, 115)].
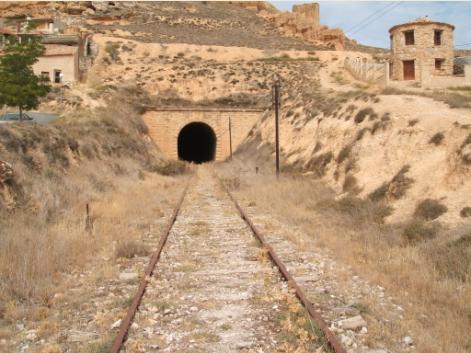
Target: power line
[(368, 17), (377, 17), (462, 45)]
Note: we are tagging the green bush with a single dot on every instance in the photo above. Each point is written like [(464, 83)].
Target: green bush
[(429, 209)]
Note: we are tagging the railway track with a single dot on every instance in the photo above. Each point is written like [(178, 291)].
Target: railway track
[(218, 287)]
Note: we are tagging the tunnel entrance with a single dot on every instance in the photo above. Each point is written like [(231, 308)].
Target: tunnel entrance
[(197, 143)]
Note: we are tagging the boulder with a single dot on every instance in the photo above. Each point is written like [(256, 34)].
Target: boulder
[(352, 323), (128, 276)]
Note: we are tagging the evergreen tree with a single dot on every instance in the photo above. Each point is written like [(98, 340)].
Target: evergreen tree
[(19, 86)]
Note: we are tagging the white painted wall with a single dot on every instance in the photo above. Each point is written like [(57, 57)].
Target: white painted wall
[(68, 64)]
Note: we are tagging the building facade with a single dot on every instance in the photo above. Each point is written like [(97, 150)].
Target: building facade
[(67, 56), (420, 49)]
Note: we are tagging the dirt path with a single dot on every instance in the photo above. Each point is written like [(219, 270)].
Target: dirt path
[(214, 290)]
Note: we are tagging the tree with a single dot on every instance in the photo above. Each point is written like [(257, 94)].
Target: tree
[(19, 86)]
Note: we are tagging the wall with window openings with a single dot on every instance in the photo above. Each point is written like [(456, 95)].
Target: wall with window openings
[(421, 49)]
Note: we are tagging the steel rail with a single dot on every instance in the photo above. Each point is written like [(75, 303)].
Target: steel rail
[(316, 317), (126, 323)]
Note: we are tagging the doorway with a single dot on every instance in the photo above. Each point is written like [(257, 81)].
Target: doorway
[(409, 69)]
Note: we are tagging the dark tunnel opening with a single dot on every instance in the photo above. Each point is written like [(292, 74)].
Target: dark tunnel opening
[(197, 143)]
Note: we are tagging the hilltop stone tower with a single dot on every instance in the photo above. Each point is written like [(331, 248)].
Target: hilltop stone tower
[(309, 12), (421, 48)]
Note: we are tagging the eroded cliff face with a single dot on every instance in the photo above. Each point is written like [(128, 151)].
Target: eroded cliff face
[(396, 148)]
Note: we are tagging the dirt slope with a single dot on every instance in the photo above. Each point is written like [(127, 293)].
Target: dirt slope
[(358, 140)]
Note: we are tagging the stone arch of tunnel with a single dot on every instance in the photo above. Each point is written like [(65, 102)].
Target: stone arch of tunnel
[(166, 124), (197, 143)]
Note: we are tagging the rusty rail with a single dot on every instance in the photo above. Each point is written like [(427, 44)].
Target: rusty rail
[(316, 317), (126, 323)]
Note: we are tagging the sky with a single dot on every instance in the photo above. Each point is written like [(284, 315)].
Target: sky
[(368, 22)]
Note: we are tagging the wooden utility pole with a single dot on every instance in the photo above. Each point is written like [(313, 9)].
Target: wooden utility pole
[(230, 137), (276, 96)]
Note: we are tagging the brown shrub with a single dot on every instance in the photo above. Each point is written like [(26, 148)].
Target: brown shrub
[(360, 210), (362, 114), (417, 230), (437, 138), (465, 212), (130, 248), (319, 164), (170, 167), (452, 259), (429, 209), (396, 188), (413, 122), (400, 183), (362, 132), (232, 183), (467, 141), (379, 193), (350, 184), (344, 153)]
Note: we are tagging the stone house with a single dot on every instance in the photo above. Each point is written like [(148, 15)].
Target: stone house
[(421, 49), (67, 56)]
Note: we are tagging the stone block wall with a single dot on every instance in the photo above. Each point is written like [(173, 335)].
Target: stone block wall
[(423, 51), (165, 126)]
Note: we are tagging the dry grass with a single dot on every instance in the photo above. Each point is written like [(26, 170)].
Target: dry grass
[(432, 275), (453, 99), (68, 245), (170, 168), (130, 248), (97, 158)]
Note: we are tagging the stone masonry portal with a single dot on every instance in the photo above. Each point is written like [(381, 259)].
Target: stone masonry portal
[(197, 143), (199, 135)]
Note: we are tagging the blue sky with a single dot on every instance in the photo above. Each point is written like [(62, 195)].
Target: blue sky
[(348, 14)]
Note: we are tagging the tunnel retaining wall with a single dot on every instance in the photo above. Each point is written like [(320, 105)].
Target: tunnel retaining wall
[(165, 125)]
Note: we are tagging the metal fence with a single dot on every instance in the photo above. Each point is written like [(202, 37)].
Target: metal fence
[(367, 71)]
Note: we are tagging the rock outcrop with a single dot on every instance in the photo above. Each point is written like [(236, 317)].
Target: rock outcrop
[(303, 22)]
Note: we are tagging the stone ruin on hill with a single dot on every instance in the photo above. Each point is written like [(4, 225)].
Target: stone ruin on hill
[(303, 22)]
